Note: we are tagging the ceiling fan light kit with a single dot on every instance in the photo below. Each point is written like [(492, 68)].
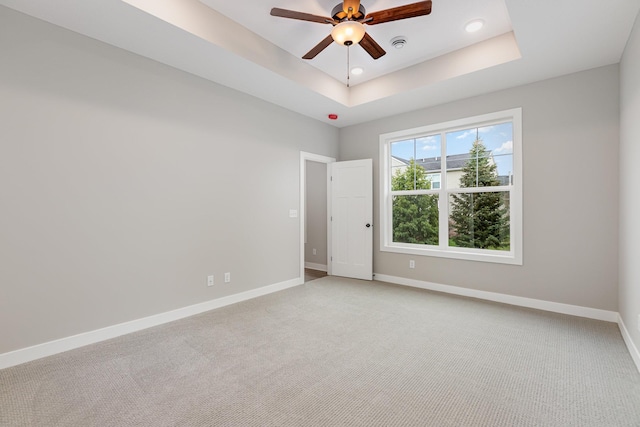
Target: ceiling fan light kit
[(347, 33)]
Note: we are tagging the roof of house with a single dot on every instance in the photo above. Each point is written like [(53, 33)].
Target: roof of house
[(432, 164), (454, 162)]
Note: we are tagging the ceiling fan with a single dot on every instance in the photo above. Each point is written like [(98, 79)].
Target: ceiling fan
[(348, 19)]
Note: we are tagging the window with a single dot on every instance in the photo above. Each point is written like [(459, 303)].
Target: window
[(434, 178), (454, 189)]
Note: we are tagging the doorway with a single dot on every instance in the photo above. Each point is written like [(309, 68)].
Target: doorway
[(316, 249), (315, 240), (348, 189)]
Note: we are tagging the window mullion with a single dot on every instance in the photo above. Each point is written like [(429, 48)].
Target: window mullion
[(388, 199), (443, 198), (415, 160), (414, 192)]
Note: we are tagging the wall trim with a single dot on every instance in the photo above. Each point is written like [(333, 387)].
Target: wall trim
[(556, 307), (50, 348), (633, 350), (313, 266)]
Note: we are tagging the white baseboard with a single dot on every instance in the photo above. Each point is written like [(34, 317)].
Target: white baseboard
[(312, 266), (574, 310), (28, 354), (633, 350), (556, 307)]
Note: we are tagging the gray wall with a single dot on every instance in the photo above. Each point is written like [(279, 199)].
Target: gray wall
[(124, 183), (629, 302), (316, 211), (570, 212)]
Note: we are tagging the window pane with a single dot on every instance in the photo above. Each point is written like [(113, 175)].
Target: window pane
[(412, 160), (415, 219), (428, 160), (504, 162), (402, 153), (480, 220), (435, 180), (480, 156)]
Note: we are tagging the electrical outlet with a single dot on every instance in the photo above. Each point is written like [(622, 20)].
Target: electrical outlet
[(315, 251), (227, 277), (638, 322), (412, 264), (209, 280)]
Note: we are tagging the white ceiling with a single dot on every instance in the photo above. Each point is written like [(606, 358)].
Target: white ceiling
[(427, 36), (238, 44)]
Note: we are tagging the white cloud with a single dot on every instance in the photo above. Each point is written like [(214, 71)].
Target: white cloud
[(430, 143), (506, 147), (472, 132), (465, 134)]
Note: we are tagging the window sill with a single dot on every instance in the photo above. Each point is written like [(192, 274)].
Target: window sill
[(498, 257)]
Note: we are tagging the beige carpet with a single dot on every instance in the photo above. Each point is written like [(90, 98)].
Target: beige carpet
[(339, 352)]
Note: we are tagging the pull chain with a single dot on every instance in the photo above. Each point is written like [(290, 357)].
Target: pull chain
[(348, 65)]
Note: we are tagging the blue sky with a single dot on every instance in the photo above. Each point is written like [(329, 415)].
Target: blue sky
[(497, 138)]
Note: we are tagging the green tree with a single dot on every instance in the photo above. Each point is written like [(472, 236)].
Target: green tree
[(415, 217), (480, 220)]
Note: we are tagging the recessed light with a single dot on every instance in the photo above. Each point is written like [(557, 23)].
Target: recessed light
[(356, 71), (474, 25)]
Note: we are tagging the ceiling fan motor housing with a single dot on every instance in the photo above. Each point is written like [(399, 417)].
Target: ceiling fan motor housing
[(338, 13)]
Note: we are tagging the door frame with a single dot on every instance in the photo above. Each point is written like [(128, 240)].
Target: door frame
[(304, 157)]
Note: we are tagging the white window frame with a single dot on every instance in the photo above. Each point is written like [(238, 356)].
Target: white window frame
[(514, 255)]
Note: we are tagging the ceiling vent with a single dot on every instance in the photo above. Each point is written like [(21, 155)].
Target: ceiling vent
[(398, 42)]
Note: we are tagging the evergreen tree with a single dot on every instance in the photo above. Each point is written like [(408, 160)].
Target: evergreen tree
[(480, 220), (415, 217)]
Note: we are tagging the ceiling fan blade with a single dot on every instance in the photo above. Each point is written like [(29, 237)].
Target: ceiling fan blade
[(401, 12), (292, 14), (318, 48), (372, 48)]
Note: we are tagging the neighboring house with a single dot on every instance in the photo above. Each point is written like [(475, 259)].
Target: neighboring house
[(398, 163), (432, 165)]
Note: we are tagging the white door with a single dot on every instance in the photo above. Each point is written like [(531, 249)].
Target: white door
[(352, 219)]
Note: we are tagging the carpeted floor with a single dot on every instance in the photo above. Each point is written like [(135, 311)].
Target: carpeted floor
[(339, 352)]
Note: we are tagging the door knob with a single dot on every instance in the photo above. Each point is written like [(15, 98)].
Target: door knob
[(368, 225)]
